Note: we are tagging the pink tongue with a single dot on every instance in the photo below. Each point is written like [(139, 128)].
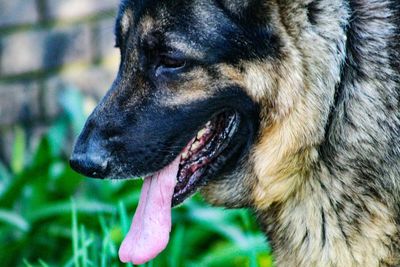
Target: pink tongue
[(151, 225)]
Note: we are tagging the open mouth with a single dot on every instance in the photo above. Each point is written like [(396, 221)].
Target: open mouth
[(202, 157), (200, 154)]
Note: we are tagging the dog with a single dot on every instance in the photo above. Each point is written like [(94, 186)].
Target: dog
[(289, 108)]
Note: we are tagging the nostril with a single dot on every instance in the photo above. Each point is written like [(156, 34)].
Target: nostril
[(89, 165)]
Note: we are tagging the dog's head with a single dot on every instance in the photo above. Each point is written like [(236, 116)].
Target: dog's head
[(232, 88), (180, 81)]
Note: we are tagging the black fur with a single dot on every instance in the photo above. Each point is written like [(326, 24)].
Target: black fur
[(321, 79)]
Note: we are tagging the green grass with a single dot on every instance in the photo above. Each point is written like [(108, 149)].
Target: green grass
[(52, 216)]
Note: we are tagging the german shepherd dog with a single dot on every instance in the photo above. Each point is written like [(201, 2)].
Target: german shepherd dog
[(287, 107)]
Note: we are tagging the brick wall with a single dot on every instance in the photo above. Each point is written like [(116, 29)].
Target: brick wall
[(45, 47)]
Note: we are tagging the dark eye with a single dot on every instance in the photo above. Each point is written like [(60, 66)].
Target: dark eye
[(171, 63)]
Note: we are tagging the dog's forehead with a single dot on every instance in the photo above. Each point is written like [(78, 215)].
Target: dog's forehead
[(202, 10), (187, 25), (150, 13)]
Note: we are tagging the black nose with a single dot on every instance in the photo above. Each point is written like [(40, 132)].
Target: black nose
[(89, 164)]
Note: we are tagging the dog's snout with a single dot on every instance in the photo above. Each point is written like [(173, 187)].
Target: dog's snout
[(90, 156), (89, 164)]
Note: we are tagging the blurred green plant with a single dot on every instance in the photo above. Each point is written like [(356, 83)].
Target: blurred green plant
[(52, 216)]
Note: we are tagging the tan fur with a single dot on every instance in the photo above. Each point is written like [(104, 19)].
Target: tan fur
[(189, 91), (286, 153), (320, 105), (286, 148), (147, 24), (361, 250), (127, 17)]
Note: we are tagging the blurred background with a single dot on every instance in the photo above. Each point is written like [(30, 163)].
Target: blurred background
[(57, 59)]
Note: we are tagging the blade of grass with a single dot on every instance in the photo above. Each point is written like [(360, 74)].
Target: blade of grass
[(79, 254), (35, 170), (177, 245), (14, 219), (105, 241), (245, 218), (64, 207), (94, 252), (230, 252), (107, 236), (123, 217), (124, 221), (84, 248), (18, 154), (26, 263), (104, 258), (228, 231), (75, 238), (56, 136), (5, 175), (253, 259), (43, 264), (221, 256)]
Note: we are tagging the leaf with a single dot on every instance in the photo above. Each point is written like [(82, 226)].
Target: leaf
[(43, 154), (15, 220), (177, 243), (222, 256), (84, 248), (79, 253), (5, 178), (231, 252), (5, 175), (26, 263), (123, 217), (65, 207), (75, 239), (43, 264), (56, 136), (245, 218), (18, 153), (218, 220)]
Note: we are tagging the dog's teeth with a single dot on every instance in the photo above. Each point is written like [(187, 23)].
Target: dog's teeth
[(185, 155), (201, 133), (195, 145)]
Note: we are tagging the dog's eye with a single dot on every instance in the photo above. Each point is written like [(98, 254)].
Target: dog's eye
[(171, 63)]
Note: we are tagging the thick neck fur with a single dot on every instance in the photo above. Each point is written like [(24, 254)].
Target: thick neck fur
[(344, 208)]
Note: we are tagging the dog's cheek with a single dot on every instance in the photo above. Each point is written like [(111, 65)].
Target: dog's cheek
[(193, 86), (232, 190)]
